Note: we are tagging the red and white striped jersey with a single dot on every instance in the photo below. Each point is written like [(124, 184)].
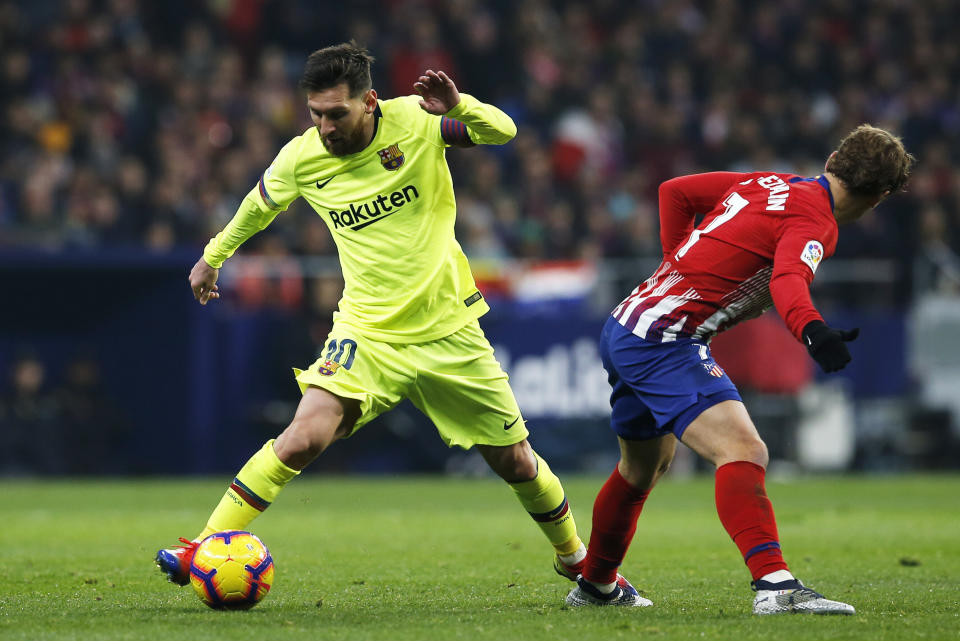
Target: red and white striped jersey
[(759, 244)]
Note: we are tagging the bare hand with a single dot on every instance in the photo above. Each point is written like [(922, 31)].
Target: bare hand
[(439, 93), (203, 281)]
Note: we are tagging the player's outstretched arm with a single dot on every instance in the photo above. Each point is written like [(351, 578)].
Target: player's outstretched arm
[(485, 124), (203, 281), (249, 219)]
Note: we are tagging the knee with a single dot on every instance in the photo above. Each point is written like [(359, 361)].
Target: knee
[(316, 425), (513, 463), (753, 450), (760, 454), (644, 477), (519, 466), (304, 439), (522, 468), (661, 469)]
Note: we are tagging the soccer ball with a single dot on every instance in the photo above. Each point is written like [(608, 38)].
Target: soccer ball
[(231, 570)]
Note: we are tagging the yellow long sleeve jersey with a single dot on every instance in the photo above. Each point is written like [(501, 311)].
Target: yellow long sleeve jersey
[(391, 210)]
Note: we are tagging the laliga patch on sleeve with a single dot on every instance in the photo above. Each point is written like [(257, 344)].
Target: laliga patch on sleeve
[(812, 254)]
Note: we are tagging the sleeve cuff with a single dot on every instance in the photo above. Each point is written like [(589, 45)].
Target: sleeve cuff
[(462, 107), (209, 255)]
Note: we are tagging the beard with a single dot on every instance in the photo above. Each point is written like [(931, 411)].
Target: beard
[(345, 144)]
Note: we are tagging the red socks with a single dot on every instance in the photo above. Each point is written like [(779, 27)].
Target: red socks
[(742, 505), (747, 515), (615, 514)]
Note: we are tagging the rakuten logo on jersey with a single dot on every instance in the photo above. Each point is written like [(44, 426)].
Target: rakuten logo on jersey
[(359, 215), (779, 191)]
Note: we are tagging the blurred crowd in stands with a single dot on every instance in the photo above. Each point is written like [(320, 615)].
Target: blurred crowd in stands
[(59, 424), (140, 124), (128, 122)]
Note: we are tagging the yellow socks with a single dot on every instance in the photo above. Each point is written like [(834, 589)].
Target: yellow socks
[(259, 482), (252, 491), (544, 499)]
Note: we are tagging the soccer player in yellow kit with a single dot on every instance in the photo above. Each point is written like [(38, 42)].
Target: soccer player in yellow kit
[(406, 327)]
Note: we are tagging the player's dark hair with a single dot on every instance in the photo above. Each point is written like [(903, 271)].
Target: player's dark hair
[(343, 63), (871, 161)]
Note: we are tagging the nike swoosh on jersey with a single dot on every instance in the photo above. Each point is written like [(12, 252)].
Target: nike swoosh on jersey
[(321, 185), (370, 222), (507, 427)]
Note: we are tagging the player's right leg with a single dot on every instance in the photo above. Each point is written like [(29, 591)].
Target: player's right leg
[(320, 419), (462, 388), (725, 435), (541, 494)]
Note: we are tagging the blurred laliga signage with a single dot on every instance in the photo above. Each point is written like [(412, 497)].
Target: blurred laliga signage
[(547, 341), (565, 380)]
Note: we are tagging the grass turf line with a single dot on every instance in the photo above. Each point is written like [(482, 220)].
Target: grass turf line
[(431, 558)]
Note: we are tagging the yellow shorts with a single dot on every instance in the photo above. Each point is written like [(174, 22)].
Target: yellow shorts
[(455, 381)]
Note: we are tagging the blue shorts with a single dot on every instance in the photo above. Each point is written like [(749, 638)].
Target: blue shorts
[(659, 388)]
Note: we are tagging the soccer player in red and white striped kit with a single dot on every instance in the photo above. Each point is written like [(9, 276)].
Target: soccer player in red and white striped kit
[(762, 238)]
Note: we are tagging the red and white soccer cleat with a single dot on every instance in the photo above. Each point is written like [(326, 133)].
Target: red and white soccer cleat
[(175, 561)]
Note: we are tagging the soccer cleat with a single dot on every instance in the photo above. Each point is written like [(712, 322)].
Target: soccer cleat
[(792, 596), (570, 572), (623, 594), (175, 561)]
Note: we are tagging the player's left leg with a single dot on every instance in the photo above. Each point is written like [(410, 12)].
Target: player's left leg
[(321, 418), (356, 380), (725, 435), (619, 503), (615, 512)]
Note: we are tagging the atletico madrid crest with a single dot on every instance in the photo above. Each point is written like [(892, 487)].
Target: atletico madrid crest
[(391, 158), (328, 368), (713, 369)]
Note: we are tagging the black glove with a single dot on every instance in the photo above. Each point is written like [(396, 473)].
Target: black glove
[(826, 345)]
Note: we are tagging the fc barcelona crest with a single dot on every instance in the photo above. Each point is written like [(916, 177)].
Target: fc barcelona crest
[(391, 158), (328, 367)]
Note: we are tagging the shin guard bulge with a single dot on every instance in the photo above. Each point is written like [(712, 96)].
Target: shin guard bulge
[(544, 499)]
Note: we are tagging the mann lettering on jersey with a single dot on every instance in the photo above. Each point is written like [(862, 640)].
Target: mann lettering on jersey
[(812, 255), (779, 190), (358, 216)]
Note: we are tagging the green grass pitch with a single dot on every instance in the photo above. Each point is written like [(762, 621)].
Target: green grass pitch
[(435, 558)]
